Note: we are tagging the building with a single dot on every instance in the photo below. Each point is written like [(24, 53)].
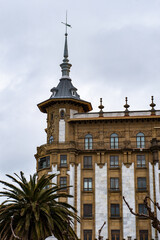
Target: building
[(104, 156)]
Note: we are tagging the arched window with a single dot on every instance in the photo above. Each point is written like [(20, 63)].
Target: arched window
[(114, 141), (51, 139), (88, 141), (140, 140), (62, 113)]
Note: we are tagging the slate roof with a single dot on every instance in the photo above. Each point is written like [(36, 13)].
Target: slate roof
[(65, 88)]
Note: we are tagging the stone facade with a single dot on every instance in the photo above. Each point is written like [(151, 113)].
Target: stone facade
[(101, 195)]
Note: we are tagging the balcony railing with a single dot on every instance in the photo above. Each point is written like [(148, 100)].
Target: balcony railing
[(98, 145)]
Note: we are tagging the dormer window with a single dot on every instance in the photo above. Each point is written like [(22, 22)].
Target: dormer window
[(73, 93), (54, 93)]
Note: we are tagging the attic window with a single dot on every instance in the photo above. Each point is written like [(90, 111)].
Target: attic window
[(73, 93), (54, 93)]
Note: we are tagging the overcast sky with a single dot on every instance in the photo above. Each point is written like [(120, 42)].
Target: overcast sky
[(114, 49)]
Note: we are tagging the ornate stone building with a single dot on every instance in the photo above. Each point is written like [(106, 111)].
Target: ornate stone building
[(103, 156)]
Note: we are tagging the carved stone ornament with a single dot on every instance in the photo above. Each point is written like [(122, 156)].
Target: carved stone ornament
[(147, 133), (158, 132), (127, 143), (107, 134), (82, 134), (51, 128), (41, 151)]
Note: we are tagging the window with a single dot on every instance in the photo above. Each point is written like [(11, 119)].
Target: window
[(44, 162), (114, 161), (87, 161), (140, 140), (62, 114), (114, 141), (87, 184), (87, 234), (141, 162), (115, 234), (87, 210), (51, 139), (88, 141), (141, 183), (73, 93), (114, 184), (63, 160), (143, 234), (115, 210), (142, 208), (63, 183)]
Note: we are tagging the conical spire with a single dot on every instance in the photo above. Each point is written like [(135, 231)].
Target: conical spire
[(65, 66)]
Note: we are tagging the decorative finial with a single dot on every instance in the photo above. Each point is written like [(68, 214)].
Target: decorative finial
[(101, 107), (65, 65), (126, 106), (152, 105)]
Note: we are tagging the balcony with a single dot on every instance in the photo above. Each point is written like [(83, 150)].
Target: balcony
[(96, 145)]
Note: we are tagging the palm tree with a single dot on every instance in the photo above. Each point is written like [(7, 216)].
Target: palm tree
[(32, 212)]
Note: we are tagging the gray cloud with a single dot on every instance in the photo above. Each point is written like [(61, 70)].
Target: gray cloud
[(113, 46)]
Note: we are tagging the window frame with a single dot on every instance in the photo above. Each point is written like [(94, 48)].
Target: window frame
[(87, 162), (63, 160), (115, 210), (88, 142), (87, 232), (143, 234), (114, 234), (51, 139), (142, 208), (87, 184), (141, 183), (63, 183), (140, 140), (141, 161), (114, 184), (114, 159), (87, 210), (44, 162), (114, 141)]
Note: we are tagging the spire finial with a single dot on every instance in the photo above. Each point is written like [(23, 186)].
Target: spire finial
[(101, 107), (66, 65), (126, 106), (152, 105)]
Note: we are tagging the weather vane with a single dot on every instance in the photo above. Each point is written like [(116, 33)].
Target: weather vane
[(66, 24)]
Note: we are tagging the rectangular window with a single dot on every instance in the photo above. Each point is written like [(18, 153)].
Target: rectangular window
[(141, 162), (115, 212), (114, 184), (63, 183), (87, 184), (142, 209), (115, 234), (114, 161), (87, 161), (143, 234), (63, 160), (44, 162), (87, 210), (87, 234), (141, 182)]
